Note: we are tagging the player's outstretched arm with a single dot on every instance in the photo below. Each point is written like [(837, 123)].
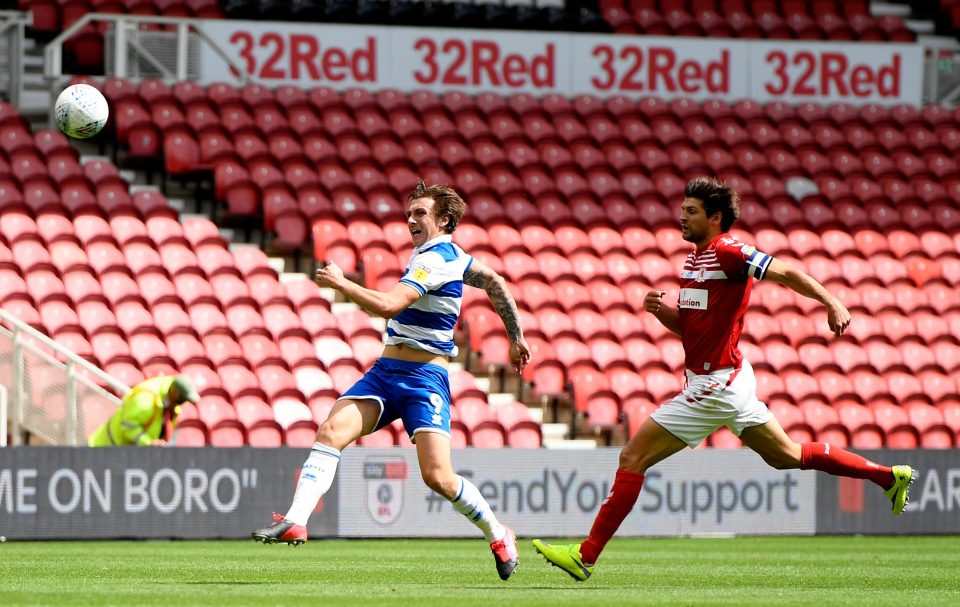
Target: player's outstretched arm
[(838, 317), (668, 316), (387, 304), (483, 277)]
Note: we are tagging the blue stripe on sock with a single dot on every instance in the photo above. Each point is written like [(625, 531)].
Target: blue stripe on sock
[(325, 450)]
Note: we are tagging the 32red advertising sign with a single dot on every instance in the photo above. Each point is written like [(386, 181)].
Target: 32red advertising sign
[(570, 64)]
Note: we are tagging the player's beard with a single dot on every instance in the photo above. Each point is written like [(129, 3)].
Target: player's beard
[(691, 234)]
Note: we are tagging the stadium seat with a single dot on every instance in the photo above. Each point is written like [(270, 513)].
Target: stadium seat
[(488, 435), (190, 433), (385, 437), (265, 433), (459, 435), (724, 439), (228, 433), (301, 433)]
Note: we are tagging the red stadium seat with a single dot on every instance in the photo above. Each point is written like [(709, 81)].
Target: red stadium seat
[(488, 435), (190, 433), (228, 433)]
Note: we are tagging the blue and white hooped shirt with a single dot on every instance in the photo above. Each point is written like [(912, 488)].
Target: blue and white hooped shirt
[(436, 271)]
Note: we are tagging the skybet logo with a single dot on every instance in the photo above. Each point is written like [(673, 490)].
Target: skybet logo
[(385, 479)]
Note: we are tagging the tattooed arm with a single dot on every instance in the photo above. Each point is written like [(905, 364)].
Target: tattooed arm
[(482, 277)]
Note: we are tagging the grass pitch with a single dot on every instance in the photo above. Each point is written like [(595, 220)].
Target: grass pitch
[(743, 571)]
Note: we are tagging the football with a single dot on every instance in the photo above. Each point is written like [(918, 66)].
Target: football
[(81, 111)]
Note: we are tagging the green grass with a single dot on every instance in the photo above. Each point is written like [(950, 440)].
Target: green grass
[(460, 573)]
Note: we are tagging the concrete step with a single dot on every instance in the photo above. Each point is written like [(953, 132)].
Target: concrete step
[(580, 443), (555, 431), (279, 264), (36, 103), (878, 9), (536, 414), (179, 204), (921, 27), (343, 307), (500, 399), (379, 323), (151, 188)]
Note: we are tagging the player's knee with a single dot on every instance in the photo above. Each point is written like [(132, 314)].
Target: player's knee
[(327, 435), (782, 460), (440, 483), (634, 461)]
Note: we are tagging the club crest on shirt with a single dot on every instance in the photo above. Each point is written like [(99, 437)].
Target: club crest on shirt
[(385, 478), (693, 299)]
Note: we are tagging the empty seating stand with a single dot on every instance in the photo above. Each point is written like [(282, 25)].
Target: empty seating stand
[(561, 189), (116, 276)]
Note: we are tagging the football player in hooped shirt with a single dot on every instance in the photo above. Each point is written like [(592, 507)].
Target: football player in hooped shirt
[(720, 385), (409, 381)]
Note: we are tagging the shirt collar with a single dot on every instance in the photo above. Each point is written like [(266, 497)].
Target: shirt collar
[(432, 243), (712, 242)]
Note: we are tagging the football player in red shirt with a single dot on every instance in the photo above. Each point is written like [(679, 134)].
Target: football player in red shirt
[(720, 385)]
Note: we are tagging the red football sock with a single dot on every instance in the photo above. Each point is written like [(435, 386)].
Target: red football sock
[(623, 495), (839, 462)]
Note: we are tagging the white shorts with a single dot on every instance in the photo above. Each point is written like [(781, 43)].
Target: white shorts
[(727, 397)]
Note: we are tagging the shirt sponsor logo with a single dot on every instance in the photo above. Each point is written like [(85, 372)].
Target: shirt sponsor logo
[(420, 273), (703, 275), (693, 299)]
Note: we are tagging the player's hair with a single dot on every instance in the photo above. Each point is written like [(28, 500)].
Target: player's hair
[(716, 196), (446, 202)]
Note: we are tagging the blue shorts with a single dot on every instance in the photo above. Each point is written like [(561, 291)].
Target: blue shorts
[(417, 393)]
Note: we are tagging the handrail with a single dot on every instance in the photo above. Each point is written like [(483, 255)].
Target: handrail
[(3, 415), (20, 326), (11, 18), (53, 51), (18, 21)]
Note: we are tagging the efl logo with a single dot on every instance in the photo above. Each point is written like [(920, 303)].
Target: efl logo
[(385, 479)]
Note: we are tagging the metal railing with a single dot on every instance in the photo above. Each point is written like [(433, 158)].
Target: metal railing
[(12, 26), (3, 415), (54, 394), (127, 42), (941, 78)]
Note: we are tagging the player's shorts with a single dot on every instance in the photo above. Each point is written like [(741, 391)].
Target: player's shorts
[(416, 393), (727, 397)]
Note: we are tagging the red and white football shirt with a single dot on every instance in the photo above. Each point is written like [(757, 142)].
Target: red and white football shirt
[(714, 291)]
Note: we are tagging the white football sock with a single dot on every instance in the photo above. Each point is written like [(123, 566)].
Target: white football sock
[(471, 504), (316, 476)]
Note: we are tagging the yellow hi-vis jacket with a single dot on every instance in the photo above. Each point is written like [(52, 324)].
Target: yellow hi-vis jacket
[(140, 419)]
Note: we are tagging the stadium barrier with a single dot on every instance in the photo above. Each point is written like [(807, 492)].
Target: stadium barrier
[(55, 395), (13, 26), (852, 506), (135, 53), (116, 493), (147, 492), (540, 63)]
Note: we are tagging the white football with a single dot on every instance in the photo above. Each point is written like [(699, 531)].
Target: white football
[(81, 111)]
